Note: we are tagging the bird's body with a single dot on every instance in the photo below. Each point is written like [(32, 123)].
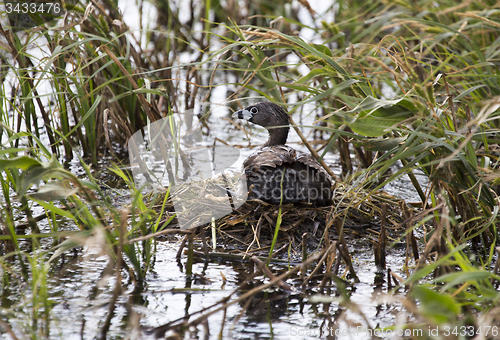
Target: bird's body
[(277, 173)]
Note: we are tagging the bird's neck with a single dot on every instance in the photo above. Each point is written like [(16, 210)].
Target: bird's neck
[(277, 136)]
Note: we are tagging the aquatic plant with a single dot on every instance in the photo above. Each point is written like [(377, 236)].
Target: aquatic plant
[(398, 88)]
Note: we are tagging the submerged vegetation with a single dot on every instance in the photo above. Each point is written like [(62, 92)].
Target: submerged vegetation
[(395, 89)]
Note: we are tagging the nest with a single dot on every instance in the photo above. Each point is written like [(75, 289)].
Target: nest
[(247, 227)]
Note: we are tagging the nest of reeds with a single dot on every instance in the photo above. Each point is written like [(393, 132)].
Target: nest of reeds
[(311, 246), (247, 227)]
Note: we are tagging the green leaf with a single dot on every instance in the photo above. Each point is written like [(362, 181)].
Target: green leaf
[(22, 163), (35, 171), (466, 92), (52, 191), (375, 116), (457, 278), (317, 72), (323, 49), (331, 92), (53, 208), (440, 308), (379, 144), (11, 151)]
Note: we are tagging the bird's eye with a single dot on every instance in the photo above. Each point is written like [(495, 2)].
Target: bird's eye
[(254, 110)]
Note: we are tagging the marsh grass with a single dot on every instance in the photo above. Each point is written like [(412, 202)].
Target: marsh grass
[(398, 87)]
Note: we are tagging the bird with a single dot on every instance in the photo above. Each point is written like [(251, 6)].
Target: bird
[(277, 173)]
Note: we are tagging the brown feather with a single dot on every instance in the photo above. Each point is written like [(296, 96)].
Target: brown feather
[(277, 172)]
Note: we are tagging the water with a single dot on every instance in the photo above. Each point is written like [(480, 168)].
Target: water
[(81, 295), (81, 286)]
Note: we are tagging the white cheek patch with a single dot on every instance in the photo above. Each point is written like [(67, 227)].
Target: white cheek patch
[(243, 114)]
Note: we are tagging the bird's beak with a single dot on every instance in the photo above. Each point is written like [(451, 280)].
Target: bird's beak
[(243, 114)]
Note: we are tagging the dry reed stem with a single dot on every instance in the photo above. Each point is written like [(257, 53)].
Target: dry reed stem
[(262, 267), (318, 266), (162, 329), (382, 240), (455, 8), (331, 258), (6, 328), (118, 284), (475, 16), (313, 151), (159, 233), (150, 110), (347, 259), (181, 247)]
